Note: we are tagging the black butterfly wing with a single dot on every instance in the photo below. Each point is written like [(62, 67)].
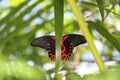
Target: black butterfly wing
[(76, 39), (46, 42), (43, 41), (69, 42)]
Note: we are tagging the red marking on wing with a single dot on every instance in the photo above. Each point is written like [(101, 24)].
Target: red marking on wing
[(65, 37), (66, 55), (68, 43), (51, 55), (53, 37)]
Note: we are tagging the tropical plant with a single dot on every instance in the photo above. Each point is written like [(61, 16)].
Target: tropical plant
[(23, 20)]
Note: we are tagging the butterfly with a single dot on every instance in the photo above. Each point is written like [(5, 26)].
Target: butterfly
[(69, 41)]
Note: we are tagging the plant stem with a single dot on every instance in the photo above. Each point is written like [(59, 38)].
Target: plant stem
[(87, 35), (58, 10)]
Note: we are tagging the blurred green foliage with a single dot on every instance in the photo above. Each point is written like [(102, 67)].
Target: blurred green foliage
[(17, 69), (111, 74), (21, 22)]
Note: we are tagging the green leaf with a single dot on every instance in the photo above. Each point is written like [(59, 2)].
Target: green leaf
[(15, 3), (111, 74), (19, 70), (12, 12), (100, 4), (104, 32), (88, 3), (58, 77), (73, 76), (20, 24), (90, 77)]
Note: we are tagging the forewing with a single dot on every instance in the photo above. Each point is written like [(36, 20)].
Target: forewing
[(43, 41), (46, 42), (76, 39)]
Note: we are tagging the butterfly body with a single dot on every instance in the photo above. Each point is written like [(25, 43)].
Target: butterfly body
[(68, 43)]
